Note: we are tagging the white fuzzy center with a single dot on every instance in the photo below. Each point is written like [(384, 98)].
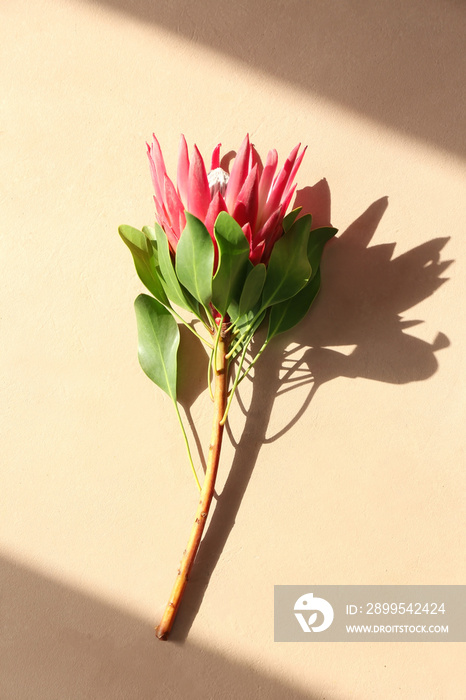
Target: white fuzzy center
[(218, 180)]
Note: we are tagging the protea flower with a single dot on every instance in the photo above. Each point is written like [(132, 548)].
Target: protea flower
[(211, 227), (251, 193)]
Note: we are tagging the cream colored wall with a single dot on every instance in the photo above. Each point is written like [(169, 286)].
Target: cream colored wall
[(366, 485)]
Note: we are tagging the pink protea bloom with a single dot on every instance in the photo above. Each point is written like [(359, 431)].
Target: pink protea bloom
[(252, 193)]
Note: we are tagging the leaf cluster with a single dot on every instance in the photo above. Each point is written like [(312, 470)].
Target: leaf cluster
[(221, 288)]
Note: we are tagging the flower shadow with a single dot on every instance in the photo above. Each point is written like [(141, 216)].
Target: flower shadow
[(365, 291)]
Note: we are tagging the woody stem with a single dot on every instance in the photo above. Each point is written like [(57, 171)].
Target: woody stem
[(220, 396)]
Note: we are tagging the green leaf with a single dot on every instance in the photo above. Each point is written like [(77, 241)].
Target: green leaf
[(233, 308), (252, 288), (149, 233), (246, 325), (290, 218), (158, 340), (315, 246), (194, 259), (169, 278), (289, 269), (288, 313), (233, 250), (145, 260)]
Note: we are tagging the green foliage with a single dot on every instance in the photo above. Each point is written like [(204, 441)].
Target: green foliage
[(315, 247), (144, 253), (194, 260), (170, 281), (242, 293), (289, 268), (158, 341), (252, 288), (233, 251), (288, 313), (149, 232), (290, 218)]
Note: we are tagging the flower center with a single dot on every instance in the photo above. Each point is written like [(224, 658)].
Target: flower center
[(218, 180)]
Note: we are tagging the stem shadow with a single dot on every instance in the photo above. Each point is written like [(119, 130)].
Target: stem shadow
[(365, 290)]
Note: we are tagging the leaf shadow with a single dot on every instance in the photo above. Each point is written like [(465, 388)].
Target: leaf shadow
[(192, 380), (364, 292)]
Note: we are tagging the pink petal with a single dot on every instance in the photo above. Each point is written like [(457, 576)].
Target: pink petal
[(256, 253), (266, 182), (248, 200), (247, 232), (173, 205), (164, 223), (215, 207), (159, 209), (255, 159), (198, 187), (286, 199), (181, 222), (183, 170), (215, 163), (172, 239), (158, 187), (158, 158), (269, 228), (295, 170), (272, 237), (238, 174), (280, 183)]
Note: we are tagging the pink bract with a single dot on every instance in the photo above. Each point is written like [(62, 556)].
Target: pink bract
[(252, 193)]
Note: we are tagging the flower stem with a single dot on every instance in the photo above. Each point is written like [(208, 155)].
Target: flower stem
[(221, 390), (235, 384), (185, 437)]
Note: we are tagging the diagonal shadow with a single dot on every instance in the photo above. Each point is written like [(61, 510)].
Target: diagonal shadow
[(58, 643), (400, 63), (364, 292)]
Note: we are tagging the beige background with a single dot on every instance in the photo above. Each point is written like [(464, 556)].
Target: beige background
[(366, 481)]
